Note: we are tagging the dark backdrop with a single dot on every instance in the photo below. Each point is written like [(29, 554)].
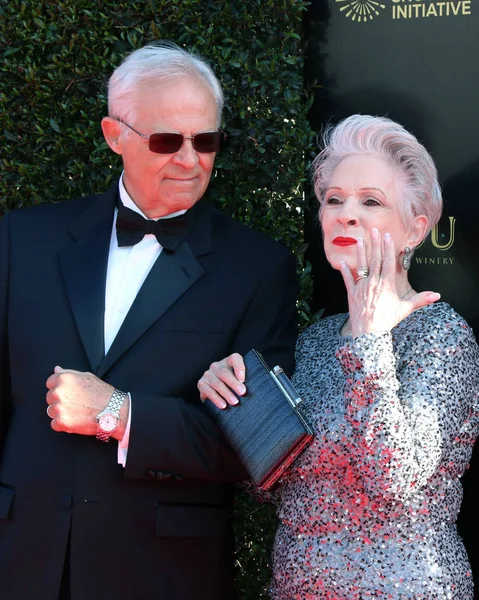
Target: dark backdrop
[(415, 62)]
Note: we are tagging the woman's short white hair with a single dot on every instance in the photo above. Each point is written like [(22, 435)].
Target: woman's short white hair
[(386, 139), (155, 63)]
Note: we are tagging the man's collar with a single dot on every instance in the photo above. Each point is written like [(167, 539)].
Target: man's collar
[(100, 210)]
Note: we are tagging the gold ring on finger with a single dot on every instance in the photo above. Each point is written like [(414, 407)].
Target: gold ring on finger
[(362, 274)]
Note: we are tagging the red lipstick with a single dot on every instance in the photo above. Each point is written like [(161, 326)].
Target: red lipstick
[(344, 241)]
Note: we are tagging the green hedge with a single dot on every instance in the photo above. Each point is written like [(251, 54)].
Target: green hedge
[(57, 56)]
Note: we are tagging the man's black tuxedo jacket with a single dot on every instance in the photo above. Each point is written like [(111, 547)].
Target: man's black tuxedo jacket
[(158, 529)]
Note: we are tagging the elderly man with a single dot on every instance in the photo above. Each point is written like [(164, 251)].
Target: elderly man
[(117, 303)]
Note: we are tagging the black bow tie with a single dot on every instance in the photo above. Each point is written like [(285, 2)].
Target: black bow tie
[(131, 228)]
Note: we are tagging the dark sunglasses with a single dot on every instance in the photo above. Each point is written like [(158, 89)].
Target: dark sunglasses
[(169, 143)]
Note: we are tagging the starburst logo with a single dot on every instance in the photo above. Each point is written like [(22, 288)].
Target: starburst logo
[(360, 10)]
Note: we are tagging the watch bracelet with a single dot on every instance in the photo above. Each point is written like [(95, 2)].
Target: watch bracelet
[(102, 436), (115, 402)]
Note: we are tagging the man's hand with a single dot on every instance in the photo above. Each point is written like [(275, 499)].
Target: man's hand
[(75, 398)]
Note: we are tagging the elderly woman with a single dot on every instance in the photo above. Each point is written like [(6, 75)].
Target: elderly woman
[(369, 510)]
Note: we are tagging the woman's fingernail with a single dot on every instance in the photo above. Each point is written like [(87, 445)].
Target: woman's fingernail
[(375, 233), (241, 376), (223, 404), (241, 389), (387, 238), (234, 400), (360, 242), (343, 264)]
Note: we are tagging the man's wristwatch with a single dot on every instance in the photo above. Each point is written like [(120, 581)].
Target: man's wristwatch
[(109, 418)]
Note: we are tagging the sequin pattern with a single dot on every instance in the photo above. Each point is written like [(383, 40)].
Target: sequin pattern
[(369, 510)]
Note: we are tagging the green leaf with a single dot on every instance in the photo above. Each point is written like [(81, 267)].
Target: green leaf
[(54, 125), (11, 51), (9, 136)]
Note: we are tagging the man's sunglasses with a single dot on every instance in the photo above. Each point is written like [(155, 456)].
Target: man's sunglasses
[(169, 143)]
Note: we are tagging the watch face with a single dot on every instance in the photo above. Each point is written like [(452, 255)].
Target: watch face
[(108, 422)]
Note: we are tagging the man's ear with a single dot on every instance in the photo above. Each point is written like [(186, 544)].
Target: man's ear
[(418, 231), (111, 132)]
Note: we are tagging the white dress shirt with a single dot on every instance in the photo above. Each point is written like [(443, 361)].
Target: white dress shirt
[(128, 267)]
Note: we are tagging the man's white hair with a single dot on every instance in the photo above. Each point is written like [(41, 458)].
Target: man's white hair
[(156, 63)]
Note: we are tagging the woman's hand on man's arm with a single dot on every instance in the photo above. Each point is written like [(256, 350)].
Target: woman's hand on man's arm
[(223, 381)]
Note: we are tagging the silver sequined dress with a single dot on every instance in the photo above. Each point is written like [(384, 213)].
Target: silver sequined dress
[(369, 510)]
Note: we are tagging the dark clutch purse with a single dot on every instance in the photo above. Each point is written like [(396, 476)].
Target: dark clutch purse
[(266, 429)]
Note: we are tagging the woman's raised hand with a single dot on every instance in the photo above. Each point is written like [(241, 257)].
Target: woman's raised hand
[(222, 379), (375, 304)]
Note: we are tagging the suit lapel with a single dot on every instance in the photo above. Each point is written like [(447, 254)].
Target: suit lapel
[(84, 267), (170, 277)]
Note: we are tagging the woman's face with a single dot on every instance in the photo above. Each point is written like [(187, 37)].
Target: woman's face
[(363, 193)]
